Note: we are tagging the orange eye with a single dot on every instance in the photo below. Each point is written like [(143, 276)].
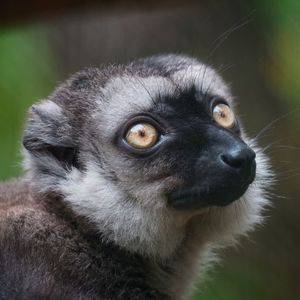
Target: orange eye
[(142, 136), (223, 115)]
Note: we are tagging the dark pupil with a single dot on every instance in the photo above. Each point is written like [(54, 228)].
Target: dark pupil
[(142, 133)]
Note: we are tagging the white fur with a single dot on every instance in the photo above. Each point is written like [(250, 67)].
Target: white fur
[(185, 242), (49, 107), (120, 218), (125, 96), (205, 79), (133, 214)]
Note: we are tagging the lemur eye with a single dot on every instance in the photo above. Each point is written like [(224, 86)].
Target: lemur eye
[(142, 136), (223, 115)]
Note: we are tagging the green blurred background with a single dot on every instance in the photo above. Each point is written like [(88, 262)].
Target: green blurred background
[(256, 47)]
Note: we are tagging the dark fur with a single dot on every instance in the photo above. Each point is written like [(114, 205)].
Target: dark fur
[(47, 252), (50, 250)]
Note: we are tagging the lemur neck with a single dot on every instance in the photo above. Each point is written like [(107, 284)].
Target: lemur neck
[(174, 272), (188, 264)]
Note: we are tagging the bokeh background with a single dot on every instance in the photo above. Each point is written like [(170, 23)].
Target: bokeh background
[(256, 47)]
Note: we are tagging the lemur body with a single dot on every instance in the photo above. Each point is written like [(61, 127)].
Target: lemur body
[(134, 176)]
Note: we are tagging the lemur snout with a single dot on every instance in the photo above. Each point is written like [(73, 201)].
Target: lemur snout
[(241, 161), (221, 174)]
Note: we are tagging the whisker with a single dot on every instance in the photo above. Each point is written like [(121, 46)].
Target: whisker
[(267, 147), (269, 125), (289, 176), (224, 36)]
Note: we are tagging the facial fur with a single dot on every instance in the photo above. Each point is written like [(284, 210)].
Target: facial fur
[(71, 149)]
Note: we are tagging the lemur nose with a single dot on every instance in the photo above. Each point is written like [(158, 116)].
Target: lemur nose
[(242, 161)]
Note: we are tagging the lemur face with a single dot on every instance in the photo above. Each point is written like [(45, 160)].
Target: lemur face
[(194, 138), (176, 138), (138, 148)]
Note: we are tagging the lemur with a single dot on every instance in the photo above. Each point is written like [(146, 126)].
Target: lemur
[(134, 175)]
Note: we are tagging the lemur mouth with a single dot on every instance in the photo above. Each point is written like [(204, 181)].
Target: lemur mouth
[(217, 179), (205, 195), (199, 197)]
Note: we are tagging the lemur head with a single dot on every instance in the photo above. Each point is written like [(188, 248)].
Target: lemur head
[(145, 149)]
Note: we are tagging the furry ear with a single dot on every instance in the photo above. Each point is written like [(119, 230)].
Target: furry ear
[(48, 140)]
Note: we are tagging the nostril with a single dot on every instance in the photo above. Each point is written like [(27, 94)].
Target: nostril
[(230, 160), (242, 159)]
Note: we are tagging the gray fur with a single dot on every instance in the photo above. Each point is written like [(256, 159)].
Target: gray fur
[(123, 202)]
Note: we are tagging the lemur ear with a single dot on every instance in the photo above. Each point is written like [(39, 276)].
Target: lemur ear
[(48, 133)]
